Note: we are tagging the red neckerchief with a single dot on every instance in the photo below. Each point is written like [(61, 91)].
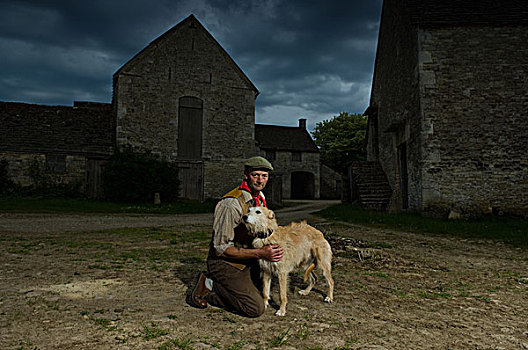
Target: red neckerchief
[(259, 199)]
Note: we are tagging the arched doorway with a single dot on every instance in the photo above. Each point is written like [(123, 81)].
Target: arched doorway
[(302, 185)]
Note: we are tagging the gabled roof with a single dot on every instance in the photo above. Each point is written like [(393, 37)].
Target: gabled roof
[(191, 20), (466, 12), (284, 138)]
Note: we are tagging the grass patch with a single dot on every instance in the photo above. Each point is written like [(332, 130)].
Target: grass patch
[(102, 322), (506, 229), (377, 274), (303, 333), (79, 205), (237, 346), (280, 339), (153, 332), (435, 295), (156, 233)]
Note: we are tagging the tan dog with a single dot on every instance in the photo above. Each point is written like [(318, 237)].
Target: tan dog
[(304, 246)]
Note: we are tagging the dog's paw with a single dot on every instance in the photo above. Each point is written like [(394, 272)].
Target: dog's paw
[(266, 304), (328, 300), (303, 292), (280, 313)]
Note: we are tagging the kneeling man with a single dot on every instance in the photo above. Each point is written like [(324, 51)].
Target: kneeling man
[(232, 263)]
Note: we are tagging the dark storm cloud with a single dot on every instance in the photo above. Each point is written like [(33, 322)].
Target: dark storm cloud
[(308, 58)]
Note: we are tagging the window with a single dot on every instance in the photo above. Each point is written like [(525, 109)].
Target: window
[(271, 155), (56, 163), (296, 156)]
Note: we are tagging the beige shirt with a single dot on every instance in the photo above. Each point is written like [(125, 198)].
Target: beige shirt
[(227, 216)]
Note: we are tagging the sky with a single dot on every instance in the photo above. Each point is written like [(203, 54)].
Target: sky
[(309, 59)]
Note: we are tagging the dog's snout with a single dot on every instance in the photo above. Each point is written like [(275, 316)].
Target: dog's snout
[(245, 217)]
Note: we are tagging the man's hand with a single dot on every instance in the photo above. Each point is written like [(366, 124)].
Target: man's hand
[(272, 252)]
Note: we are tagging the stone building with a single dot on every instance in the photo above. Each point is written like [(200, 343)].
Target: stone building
[(182, 98), (448, 112), (295, 157), (186, 100), (58, 144)]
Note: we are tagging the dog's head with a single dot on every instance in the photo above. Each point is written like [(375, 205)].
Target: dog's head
[(260, 221)]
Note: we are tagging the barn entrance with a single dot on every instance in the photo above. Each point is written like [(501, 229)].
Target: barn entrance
[(190, 128), (302, 185), (190, 164)]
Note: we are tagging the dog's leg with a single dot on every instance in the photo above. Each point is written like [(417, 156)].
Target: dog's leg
[(283, 287), (324, 260), (327, 272), (266, 284), (308, 275)]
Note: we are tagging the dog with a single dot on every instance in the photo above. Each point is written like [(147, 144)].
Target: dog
[(304, 246)]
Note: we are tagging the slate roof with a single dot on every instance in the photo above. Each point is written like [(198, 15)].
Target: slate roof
[(284, 138), (466, 12), (85, 128)]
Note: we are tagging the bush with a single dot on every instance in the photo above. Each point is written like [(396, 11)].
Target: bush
[(133, 177), (6, 184)]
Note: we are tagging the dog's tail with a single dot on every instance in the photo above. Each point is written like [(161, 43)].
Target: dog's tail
[(308, 272)]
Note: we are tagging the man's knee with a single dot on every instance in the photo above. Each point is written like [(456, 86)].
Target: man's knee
[(255, 308)]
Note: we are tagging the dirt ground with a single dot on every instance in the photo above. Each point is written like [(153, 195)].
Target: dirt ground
[(86, 282)]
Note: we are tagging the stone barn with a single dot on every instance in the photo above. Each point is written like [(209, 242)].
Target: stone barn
[(448, 111), (182, 98), (294, 156), (185, 99)]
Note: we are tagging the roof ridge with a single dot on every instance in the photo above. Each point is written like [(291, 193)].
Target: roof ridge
[(173, 29)]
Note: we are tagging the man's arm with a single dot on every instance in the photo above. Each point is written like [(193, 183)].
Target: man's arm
[(272, 252), (228, 214)]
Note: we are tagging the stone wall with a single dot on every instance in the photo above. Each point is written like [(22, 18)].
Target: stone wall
[(27, 169), (331, 183), (456, 96), (32, 136), (395, 97), (187, 61), (475, 105)]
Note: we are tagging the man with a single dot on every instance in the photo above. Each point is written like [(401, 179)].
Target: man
[(232, 262)]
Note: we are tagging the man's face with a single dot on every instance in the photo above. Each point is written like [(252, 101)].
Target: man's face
[(257, 180)]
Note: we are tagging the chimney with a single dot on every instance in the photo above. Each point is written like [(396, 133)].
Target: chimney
[(302, 123)]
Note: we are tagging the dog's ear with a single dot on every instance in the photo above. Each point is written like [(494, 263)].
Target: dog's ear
[(271, 215)]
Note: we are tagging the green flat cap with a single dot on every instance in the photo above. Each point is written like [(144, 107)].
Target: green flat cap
[(259, 163)]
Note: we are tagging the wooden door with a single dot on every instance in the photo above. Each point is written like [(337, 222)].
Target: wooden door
[(190, 128), (94, 171), (191, 180)]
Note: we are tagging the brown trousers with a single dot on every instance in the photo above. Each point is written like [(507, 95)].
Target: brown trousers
[(234, 290)]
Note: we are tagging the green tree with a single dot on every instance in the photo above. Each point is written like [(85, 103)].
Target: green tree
[(341, 140)]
